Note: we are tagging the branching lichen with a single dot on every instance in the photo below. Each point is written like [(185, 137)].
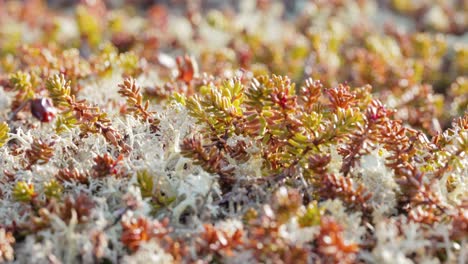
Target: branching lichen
[(199, 132)]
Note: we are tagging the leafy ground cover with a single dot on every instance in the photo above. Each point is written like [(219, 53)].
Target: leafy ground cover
[(233, 131)]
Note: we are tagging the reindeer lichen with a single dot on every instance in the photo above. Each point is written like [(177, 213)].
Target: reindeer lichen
[(267, 131)]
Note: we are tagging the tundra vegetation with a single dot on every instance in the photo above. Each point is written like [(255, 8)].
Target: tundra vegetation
[(234, 131)]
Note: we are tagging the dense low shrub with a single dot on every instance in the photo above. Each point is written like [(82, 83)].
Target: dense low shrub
[(247, 132)]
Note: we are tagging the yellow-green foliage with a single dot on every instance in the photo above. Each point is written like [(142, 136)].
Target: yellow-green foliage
[(59, 90), (23, 191), (161, 201), (147, 189), (128, 61), (65, 121), (288, 126), (4, 129), (53, 189), (145, 182), (23, 82), (284, 132), (89, 26), (311, 215), (218, 106), (461, 58), (20, 80)]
